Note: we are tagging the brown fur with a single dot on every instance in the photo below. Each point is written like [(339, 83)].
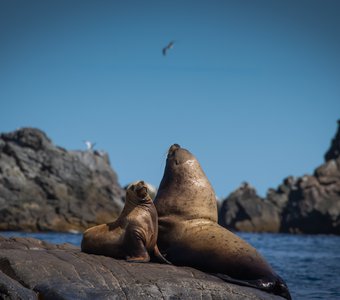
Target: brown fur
[(189, 233), (133, 235)]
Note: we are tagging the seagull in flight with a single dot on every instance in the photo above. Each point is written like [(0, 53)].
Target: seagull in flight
[(89, 145), (168, 47)]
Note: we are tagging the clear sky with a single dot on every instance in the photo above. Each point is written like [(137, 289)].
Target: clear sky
[(252, 88)]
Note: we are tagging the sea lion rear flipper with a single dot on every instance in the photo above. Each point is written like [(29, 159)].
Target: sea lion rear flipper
[(159, 256), (277, 287), (233, 280)]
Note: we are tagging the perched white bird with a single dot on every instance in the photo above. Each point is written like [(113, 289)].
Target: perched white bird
[(168, 47), (89, 145)]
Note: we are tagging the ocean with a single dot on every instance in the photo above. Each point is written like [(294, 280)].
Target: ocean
[(310, 264)]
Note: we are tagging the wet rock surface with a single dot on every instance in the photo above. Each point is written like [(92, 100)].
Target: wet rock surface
[(47, 188), (32, 269), (308, 204)]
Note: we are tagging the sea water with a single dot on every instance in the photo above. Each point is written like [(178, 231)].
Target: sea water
[(310, 264)]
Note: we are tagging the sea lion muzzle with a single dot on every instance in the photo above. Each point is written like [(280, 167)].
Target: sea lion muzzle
[(173, 148)]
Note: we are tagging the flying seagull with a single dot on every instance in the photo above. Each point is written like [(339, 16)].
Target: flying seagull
[(168, 47), (89, 145)]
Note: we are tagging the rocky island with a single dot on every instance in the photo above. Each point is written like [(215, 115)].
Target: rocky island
[(47, 188), (309, 204)]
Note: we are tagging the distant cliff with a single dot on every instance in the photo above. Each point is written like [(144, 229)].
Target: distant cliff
[(307, 204), (47, 188)]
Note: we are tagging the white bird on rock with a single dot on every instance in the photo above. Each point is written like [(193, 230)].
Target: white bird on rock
[(89, 145)]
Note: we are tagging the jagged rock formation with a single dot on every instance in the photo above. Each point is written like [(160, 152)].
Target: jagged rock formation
[(32, 269), (334, 150), (47, 188), (307, 204), (245, 211)]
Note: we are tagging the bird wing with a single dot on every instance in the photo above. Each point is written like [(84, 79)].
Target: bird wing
[(169, 46)]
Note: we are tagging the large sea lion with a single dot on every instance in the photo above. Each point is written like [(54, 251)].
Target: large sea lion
[(189, 234), (133, 236)]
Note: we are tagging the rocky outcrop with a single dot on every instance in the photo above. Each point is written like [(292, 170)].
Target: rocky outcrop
[(32, 269), (307, 204), (245, 211), (334, 150), (47, 188), (314, 205)]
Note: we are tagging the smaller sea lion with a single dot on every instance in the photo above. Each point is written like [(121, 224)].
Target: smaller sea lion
[(133, 236)]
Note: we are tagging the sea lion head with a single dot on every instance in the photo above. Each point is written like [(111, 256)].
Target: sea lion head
[(185, 189), (138, 193), (179, 158), (183, 165)]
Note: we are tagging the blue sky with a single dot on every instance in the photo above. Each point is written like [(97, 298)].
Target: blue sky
[(251, 87)]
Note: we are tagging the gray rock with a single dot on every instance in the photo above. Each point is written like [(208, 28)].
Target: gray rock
[(334, 150), (245, 211), (47, 271), (47, 188), (314, 207), (12, 289)]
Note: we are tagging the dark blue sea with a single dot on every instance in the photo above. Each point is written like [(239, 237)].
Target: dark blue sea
[(310, 264)]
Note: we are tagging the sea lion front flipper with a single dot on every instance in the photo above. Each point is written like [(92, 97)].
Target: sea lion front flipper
[(160, 257), (139, 255), (138, 259), (135, 246)]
